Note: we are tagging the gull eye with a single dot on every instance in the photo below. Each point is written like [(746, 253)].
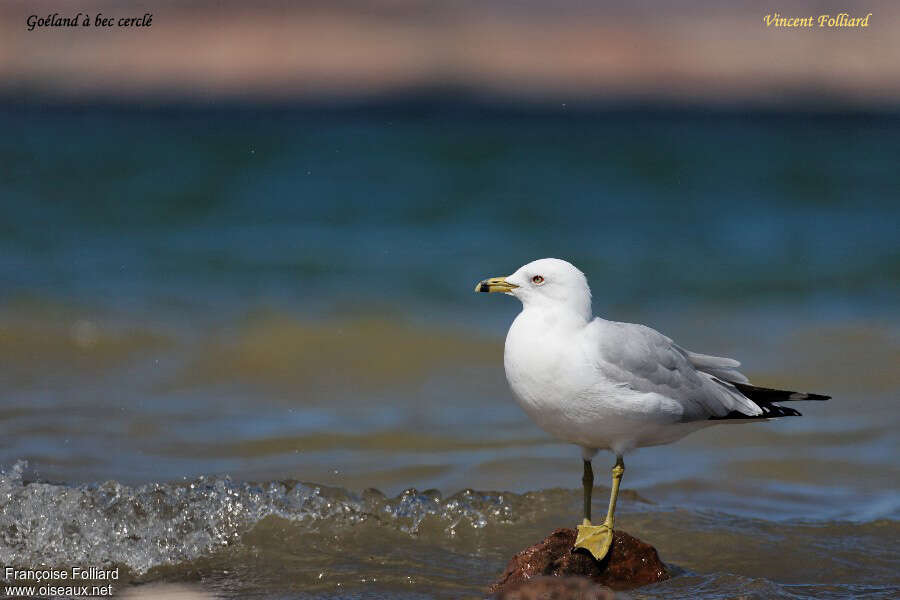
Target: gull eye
[(537, 280)]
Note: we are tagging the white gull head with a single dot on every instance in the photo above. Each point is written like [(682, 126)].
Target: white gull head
[(551, 283)]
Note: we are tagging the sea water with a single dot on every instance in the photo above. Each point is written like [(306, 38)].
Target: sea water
[(239, 345)]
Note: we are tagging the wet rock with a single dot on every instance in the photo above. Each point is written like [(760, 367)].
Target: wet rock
[(556, 588), (630, 563)]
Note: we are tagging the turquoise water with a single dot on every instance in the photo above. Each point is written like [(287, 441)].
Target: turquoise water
[(221, 296), (230, 210)]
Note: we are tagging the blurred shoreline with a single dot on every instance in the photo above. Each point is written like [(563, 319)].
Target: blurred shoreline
[(283, 52)]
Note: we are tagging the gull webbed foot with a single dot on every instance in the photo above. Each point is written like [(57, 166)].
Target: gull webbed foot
[(596, 539)]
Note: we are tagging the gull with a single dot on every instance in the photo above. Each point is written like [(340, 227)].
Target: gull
[(604, 385)]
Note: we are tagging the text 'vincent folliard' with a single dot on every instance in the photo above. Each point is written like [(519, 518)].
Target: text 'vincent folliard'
[(839, 20), (86, 20)]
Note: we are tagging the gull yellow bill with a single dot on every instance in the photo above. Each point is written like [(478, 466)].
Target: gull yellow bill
[(495, 284)]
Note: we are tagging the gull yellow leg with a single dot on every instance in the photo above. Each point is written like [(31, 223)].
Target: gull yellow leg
[(597, 539)]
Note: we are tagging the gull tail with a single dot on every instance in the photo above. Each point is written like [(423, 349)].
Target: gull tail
[(765, 397)]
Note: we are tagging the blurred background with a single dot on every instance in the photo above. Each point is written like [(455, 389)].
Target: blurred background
[(243, 242), (699, 51)]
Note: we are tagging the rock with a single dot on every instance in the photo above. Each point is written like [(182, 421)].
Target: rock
[(556, 588), (630, 563)]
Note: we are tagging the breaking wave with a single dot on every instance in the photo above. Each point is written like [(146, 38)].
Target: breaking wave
[(169, 523)]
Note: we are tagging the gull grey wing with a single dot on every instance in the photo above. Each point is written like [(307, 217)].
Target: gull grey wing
[(645, 360)]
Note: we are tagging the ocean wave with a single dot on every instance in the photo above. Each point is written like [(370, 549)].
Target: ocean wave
[(159, 524)]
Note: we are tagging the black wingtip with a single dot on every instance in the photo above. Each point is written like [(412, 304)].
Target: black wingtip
[(764, 394), (769, 411)]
